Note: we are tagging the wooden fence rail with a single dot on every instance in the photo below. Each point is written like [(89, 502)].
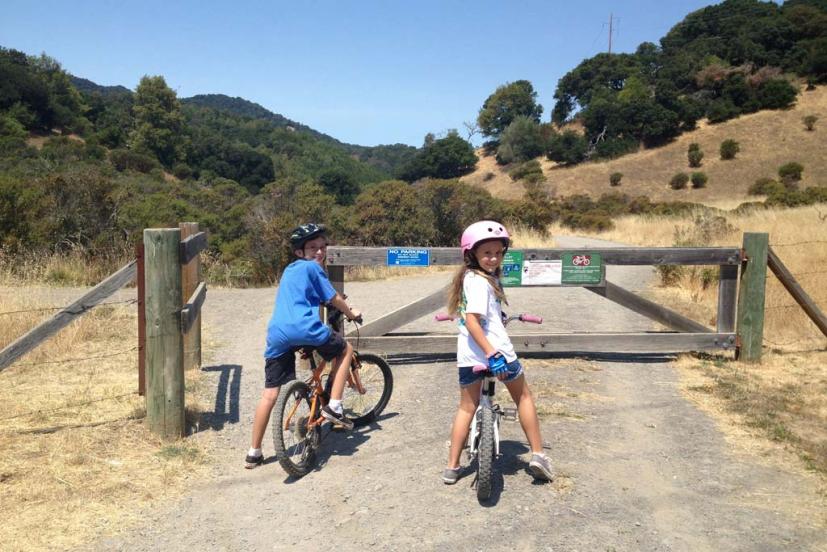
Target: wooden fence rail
[(37, 335), (692, 335)]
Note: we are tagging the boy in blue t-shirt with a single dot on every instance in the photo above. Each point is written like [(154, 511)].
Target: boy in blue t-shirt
[(296, 324)]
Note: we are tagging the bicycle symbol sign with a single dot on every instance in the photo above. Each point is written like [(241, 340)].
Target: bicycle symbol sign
[(581, 260)]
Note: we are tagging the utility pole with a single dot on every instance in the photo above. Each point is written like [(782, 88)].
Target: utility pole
[(610, 32)]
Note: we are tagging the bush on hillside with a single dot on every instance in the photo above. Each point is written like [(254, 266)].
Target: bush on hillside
[(520, 141), (127, 160), (568, 147), (810, 122), (615, 178), (698, 179), (790, 173), (695, 156), (679, 181), (615, 147), (729, 149), (765, 186), (795, 198), (530, 171)]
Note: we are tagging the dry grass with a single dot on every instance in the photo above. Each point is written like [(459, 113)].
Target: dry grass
[(784, 398), (72, 268), (768, 139), (76, 461)]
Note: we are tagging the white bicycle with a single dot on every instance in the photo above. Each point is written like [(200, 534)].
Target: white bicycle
[(484, 436)]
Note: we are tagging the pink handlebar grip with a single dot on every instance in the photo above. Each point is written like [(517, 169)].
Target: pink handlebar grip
[(442, 317), (534, 319), (479, 368)]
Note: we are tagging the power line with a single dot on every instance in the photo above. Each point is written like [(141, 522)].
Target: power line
[(41, 309), (79, 359)]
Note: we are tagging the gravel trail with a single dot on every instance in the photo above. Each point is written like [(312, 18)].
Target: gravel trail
[(639, 467)]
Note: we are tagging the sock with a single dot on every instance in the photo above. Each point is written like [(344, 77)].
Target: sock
[(335, 405), (254, 452)]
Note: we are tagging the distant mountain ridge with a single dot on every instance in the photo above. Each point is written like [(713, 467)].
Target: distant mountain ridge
[(85, 85), (246, 108)]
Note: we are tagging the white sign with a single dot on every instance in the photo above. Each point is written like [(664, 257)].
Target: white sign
[(542, 273)]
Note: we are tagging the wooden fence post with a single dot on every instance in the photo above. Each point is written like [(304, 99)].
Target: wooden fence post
[(164, 343), (190, 278), (751, 296), (140, 286)]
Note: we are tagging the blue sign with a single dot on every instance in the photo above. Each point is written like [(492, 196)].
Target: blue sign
[(409, 257)]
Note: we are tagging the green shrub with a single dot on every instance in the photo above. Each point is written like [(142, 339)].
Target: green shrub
[(182, 171), (729, 149), (810, 122), (615, 178), (568, 147), (520, 141), (124, 160), (698, 179), (679, 181), (694, 146), (790, 172), (530, 171), (695, 157), (765, 186)]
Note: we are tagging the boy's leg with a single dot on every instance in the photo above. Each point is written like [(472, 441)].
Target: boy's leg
[(277, 372), (341, 366), (262, 415), (339, 353)]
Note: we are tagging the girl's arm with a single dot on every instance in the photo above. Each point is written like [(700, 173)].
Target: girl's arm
[(472, 322)]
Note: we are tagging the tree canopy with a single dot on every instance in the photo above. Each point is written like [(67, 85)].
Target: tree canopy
[(508, 102)]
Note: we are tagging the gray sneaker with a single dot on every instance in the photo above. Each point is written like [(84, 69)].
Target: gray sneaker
[(338, 419), (540, 467), (451, 475)]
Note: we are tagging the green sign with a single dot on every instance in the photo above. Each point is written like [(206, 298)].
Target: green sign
[(512, 269), (582, 268)]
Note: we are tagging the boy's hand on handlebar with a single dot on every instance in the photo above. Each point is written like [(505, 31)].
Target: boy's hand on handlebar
[(498, 365), (356, 316)]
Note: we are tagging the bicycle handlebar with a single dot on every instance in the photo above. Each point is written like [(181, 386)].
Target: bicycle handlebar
[(530, 318)]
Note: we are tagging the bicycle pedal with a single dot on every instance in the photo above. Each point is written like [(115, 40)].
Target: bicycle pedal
[(510, 414)]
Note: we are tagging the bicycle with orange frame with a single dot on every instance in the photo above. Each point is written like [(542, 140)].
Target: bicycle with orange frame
[(297, 423)]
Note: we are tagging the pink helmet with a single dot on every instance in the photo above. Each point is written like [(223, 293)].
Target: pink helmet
[(481, 231)]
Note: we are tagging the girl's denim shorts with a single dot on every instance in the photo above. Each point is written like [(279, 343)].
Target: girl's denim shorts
[(467, 375)]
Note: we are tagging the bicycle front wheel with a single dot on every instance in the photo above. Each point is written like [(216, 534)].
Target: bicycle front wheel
[(485, 454), (368, 389), (293, 438)]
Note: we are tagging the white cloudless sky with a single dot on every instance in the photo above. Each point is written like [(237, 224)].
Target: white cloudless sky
[(365, 72)]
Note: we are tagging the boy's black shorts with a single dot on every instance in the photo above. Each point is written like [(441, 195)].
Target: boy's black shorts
[(281, 369)]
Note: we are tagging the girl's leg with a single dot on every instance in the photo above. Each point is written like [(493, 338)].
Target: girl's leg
[(469, 398), (528, 412)]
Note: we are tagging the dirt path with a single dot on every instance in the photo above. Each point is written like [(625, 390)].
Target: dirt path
[(639, 468)]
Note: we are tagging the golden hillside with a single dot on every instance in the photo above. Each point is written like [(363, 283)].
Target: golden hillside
[(768, 139)]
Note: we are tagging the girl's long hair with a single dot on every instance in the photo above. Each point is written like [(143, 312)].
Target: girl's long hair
[(470, 263)]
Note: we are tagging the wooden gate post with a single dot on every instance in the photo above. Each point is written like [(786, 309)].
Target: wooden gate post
[(751, 296), (164, 343), (190, 277)]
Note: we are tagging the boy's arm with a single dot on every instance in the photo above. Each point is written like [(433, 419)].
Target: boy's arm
[(339, 302)]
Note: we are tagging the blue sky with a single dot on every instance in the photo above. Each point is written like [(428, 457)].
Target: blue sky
[(365, 72)]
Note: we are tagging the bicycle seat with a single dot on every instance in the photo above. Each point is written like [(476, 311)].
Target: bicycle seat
[(479, 368)]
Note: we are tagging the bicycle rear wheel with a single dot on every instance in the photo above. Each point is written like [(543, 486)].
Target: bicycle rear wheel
[(294, 441), (368, 389), (485, 454)]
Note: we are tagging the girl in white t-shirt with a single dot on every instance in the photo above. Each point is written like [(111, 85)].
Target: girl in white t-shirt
[(475, 297)]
